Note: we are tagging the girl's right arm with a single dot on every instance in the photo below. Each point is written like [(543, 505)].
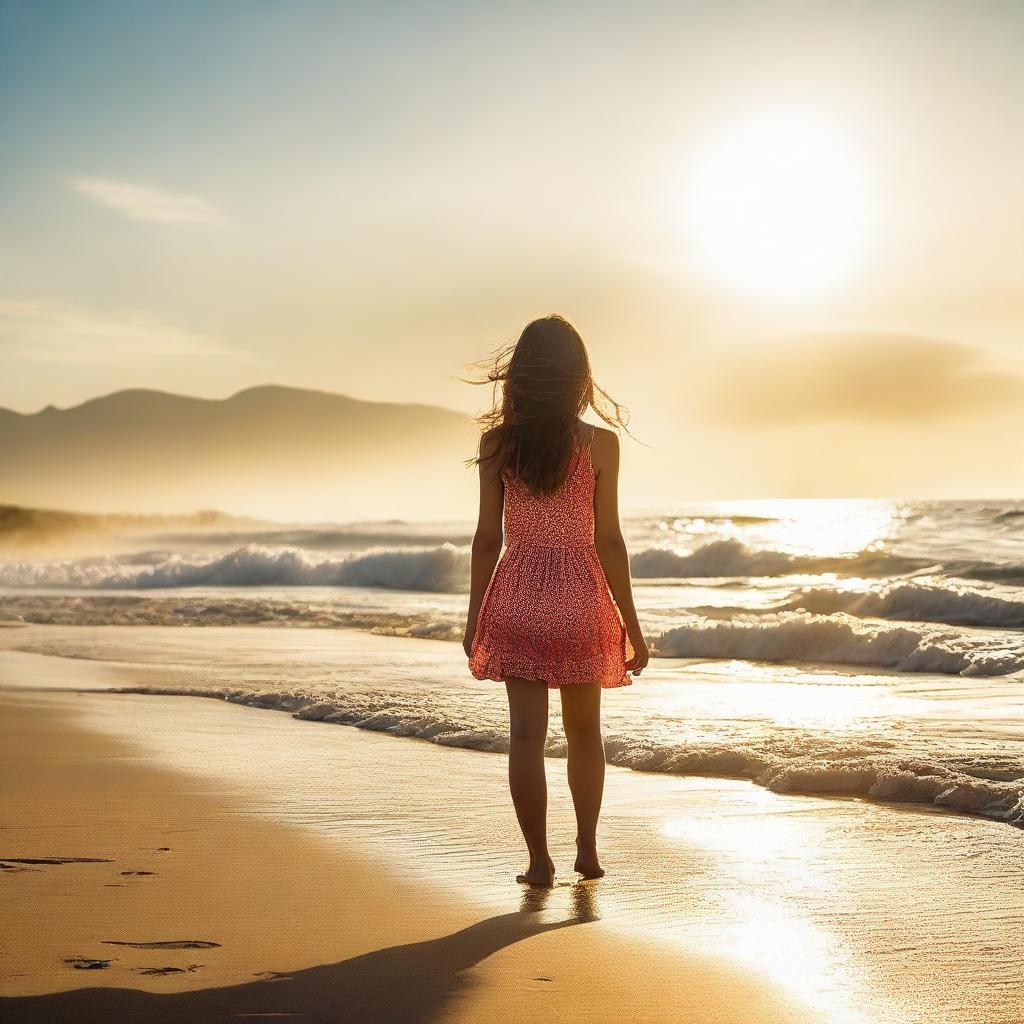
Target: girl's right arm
[(486, 540), (611, 548)]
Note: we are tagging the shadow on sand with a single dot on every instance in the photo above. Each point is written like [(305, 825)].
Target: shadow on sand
[(407, 984)]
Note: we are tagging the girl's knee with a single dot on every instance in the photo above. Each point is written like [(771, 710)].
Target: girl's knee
[(528, 733), (583, 733)]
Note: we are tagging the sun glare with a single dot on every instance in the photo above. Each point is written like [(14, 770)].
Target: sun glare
[(778, 206)]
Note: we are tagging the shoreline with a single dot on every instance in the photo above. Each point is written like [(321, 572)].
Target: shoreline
[(805, 898), (121, 659), (367, 945)]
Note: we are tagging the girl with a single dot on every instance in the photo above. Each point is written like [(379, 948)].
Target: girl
[(556, 611)]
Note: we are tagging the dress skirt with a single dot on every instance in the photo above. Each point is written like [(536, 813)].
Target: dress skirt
[(548, 615)]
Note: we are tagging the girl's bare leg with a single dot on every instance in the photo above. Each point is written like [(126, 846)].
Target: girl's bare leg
[(528, 729), (581, 716)]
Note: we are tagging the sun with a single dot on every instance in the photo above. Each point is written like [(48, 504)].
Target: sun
[(778, 206)]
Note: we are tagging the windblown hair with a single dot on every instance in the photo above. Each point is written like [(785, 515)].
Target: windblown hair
[(542, 385)]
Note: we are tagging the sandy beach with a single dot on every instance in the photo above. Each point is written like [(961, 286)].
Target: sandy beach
[(137, 892), (347, 875)]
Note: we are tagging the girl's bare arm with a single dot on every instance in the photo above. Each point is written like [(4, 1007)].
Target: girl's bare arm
[(486, 540), (611, 548)]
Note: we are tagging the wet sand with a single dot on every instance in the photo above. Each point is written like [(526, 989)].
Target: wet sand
[(136, 891)]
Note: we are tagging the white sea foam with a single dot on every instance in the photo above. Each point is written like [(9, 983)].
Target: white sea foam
[(837, 638), (843, 640), (132, 610), (807, 764), (933, 601), (441, 568), (732, 558)]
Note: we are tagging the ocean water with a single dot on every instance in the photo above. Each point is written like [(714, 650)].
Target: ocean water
[(866, 648)]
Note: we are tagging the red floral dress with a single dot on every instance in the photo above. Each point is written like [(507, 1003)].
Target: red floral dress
[(547, 613)]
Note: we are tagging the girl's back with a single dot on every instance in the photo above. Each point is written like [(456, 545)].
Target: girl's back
[(564, 518)]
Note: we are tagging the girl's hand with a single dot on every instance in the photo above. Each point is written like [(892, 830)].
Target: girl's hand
[(467, 640), (641, 655)]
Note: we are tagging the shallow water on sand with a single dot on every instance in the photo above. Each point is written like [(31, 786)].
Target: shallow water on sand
[(920, 738)]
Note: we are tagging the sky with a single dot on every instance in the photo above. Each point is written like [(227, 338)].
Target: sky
[(792, 234)]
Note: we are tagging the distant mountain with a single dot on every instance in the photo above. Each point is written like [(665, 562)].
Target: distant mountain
[(272, 451)]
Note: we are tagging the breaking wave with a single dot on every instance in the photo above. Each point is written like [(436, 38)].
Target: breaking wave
[(843, 640), (810, 765), (441, 568), (733, 558), (915, 602), (125, 610)]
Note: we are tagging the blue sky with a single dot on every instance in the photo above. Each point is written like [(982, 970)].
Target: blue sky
[(205, 196)]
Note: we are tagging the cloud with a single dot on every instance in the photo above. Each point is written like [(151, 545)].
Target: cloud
[(53, 333), (863, 376), (147, 202)]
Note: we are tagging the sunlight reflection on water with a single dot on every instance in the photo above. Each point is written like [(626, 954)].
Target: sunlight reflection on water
[(826, 526)]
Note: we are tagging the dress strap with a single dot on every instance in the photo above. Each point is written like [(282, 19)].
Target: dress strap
[(584, 442), (587, 438)]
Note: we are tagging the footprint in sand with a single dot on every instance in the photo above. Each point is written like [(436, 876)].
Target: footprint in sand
[(273, 975), (138, 872), (169, 970), (81, 963), (57, 860), (174, 944)]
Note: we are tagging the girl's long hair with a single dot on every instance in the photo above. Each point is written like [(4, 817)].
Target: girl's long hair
[(542, 385)]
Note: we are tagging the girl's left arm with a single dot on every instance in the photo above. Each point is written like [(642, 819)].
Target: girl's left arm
[(486, 540)]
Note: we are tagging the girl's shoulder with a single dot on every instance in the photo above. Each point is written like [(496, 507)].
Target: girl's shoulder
[(489, 441), (603, 439), (604, 448)]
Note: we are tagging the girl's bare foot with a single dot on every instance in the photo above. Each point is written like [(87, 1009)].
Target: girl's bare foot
[(540, 873), (587, 863)]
